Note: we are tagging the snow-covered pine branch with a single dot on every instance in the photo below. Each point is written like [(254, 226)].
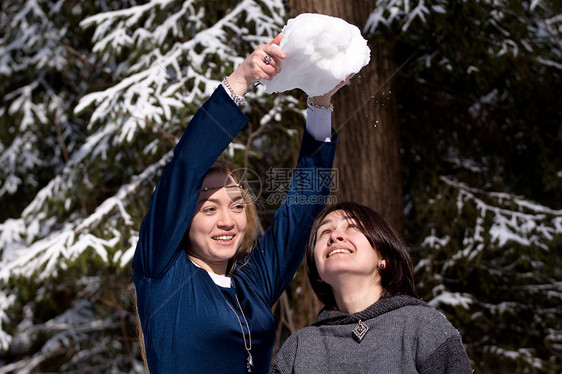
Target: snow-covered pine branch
[(31, 42), (531, 28), (491, 222), (513, 219), (169, 76)]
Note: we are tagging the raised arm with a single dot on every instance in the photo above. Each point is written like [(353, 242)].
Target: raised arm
[(210, 131), (281, 249)]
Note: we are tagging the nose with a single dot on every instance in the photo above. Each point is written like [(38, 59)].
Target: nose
[(225, 219), (336, 236)]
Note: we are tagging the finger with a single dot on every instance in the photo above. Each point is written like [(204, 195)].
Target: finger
[(272, 48), (273, 70), (272, 59), (344, 82), (275, 52), (276, 40), (270, 70)]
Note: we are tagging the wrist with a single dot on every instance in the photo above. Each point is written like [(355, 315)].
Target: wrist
[(319, 102), (238, 99), (238, 83)]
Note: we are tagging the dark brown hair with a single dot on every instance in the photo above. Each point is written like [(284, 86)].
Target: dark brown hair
[(397, 278)]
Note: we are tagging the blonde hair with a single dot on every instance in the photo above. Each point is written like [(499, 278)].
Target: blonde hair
[(140, 335)]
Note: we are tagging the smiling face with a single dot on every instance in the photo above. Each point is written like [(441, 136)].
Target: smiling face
[(342, 249), (396, 278), (219, 224)]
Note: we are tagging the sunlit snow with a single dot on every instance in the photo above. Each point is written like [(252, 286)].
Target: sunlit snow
[(321, 52), (451, 298)]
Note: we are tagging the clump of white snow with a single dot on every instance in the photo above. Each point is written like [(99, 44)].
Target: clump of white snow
[(321, 51)]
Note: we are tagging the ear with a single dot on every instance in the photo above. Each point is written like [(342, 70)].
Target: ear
[(382, 264)]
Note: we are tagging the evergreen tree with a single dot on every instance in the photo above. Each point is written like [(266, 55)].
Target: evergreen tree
[(94, 95), (480, 121), (93, 101)]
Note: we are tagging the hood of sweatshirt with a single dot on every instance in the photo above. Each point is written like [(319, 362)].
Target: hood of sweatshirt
[(382, 306)]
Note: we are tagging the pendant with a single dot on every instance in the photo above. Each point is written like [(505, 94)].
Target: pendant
[(249, 363), (360, 331)]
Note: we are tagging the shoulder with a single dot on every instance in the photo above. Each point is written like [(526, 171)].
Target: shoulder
[(437, 343), (302, 339), (285, 359), (303, 342), (427, 317), (418, 320), (299, 335)]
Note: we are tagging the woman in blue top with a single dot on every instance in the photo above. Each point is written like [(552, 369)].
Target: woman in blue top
[(201, 310)]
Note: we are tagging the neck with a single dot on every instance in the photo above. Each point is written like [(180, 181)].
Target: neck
[(217, 268), (354, 295)]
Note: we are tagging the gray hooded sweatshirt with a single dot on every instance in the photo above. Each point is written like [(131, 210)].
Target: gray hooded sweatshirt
[(404, 335)]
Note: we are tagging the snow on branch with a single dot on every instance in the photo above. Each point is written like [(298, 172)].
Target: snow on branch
[(444, 297), (470, 225), (31, 53), (549, 62), (6, 302), (389, 11), (44, 255), (20, 156), (72, 330), (527, 28), (524, 354), (513, 219), (31, 31), (155, 86)]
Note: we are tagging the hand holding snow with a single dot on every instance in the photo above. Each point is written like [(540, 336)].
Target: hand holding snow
[(322, 51)]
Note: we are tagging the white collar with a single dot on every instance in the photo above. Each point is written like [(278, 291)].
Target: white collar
[(220, 280)]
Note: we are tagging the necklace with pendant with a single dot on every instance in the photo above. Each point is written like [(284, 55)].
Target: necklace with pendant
[(248, 346), (360, 331)]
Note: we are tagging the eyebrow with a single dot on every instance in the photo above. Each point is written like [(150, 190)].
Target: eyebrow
[(207, 188), (324, 223), (214, 200), (328, 221)]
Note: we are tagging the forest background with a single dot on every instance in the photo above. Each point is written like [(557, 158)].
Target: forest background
[(453, 132)]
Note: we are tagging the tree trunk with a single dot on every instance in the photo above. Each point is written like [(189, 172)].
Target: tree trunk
[(365, 117)]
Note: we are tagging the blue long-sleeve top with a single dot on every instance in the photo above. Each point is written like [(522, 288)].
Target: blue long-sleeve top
[(187, 324)]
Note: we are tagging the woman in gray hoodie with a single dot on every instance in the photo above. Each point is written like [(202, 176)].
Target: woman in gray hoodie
[(372, 321)]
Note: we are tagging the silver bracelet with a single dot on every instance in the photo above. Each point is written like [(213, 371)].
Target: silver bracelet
[(238, 100), (311, 103)]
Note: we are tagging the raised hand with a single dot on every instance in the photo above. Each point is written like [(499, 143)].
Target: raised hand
[(263, 63), (324, 100)]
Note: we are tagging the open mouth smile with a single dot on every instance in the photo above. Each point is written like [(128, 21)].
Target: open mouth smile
[(338, 250), (223, 238)]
